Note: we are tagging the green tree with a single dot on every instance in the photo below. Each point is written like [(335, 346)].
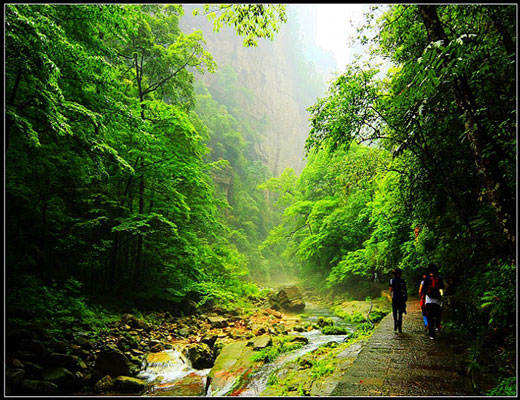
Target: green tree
[(253, 21)]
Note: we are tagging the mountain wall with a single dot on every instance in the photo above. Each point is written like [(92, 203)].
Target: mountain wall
[(280, 83)]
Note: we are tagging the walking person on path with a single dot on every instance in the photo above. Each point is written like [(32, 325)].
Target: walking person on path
[(422, 303), (399, 297), (432, 288)]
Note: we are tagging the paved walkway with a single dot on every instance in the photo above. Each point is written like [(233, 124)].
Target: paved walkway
[(408, 363)]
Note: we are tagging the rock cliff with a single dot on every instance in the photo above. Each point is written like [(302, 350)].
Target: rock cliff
[(269, 73)]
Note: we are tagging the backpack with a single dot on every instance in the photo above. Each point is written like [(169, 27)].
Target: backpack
[(399, 288), (433, 287)]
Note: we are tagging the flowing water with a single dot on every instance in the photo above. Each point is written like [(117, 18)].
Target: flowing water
[(169, 368), (166, 370), (258, 381)]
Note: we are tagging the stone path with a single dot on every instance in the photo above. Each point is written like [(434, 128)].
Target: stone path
[(408, 363)]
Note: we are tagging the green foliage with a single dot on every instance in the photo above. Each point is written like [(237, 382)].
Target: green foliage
[(377, 315), (362, 330), (334, 330), (322, 322), (356, 317), (499, 288), (321, 368), (253, 21), (506, 387), (273, 380), (326, 219), (59, 310), (447, 116), (281, 344), (109, 174)]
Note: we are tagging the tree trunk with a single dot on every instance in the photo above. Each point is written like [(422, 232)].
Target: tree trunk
[(8, 120), (499, 193), (139, 251), (507, 41)]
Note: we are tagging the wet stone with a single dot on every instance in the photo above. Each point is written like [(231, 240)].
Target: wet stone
[(406, 364)]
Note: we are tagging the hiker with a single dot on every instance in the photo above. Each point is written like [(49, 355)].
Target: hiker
[(432, 290), (399, 297), (422, 303)]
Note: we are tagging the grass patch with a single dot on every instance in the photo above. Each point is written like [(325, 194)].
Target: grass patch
[(281, 344), (334, 330)]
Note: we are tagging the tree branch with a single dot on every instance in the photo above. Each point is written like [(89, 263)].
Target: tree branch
[(156, 85)]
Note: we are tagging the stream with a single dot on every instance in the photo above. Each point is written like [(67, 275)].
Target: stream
[(170, 372)]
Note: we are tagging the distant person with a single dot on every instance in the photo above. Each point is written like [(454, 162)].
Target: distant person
[(432, 289), (422, 302), (399, 297)]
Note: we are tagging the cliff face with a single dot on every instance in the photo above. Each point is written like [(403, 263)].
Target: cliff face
[(268, 74)]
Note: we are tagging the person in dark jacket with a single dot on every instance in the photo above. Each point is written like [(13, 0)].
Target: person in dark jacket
[(399, 297)]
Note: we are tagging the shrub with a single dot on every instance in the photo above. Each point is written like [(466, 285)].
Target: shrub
[(60, 309), (333, 330), (377, 315), (506, 387)]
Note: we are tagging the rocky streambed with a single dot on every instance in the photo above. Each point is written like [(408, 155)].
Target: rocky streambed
[(215, 354)]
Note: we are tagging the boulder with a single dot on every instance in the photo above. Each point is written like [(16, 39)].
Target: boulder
[(127, 384), (122, 344), (14, 336), (84, 343), (133, 322), (15, 363), (60, 347), (289, 298), (62, 377), (217, 321), (111, 361), (25, 355), (300, 339), (64, 360), (324, 322), (232, 363), (191, 385), (258, 329), (261, 342), (209, 339), (183, 332), (37, 387), (137, 352), (34, 346), (200, 355), (157, 348), (33, 369), (19, 312), (14, 376), (105, 383)]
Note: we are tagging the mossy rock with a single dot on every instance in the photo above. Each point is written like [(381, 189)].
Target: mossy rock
[(232, 362), (37, 387), (324, 322), (63, 378), (128, 384), (105, 383), (200, 355), (334, 330), (112, 362)]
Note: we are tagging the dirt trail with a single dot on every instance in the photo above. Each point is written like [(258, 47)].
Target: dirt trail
[(407, 364)]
